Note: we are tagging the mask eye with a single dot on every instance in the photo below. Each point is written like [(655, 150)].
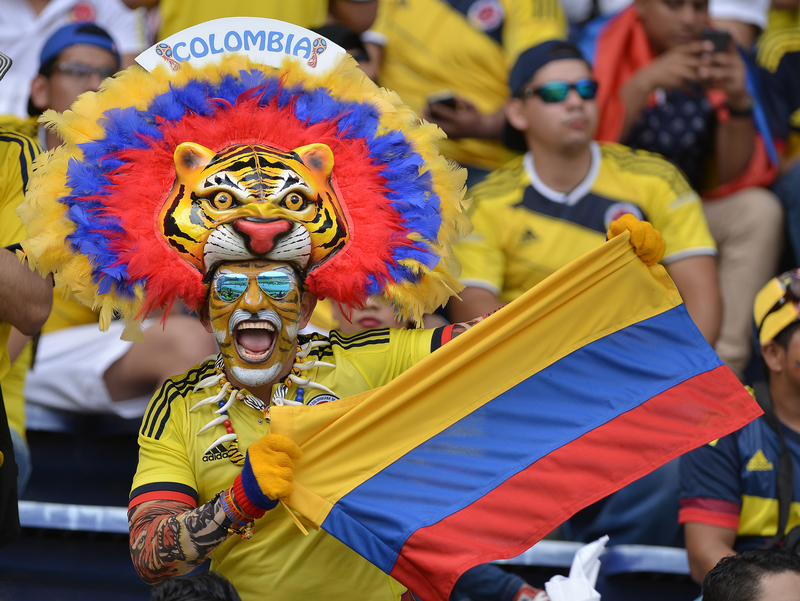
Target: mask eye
[(222, 201), (294, 202)]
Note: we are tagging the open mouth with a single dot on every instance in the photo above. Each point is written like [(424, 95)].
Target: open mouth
[(254, 340), (369, 323)]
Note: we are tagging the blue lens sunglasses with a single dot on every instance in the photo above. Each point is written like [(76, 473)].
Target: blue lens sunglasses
[(556, 91), (230, 286)]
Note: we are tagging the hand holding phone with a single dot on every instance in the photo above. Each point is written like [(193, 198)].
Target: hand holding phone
[(721, 39)]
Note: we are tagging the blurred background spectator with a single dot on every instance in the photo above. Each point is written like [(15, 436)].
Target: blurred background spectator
[(665, 87), (730, 497), (25, 25), (449, 61), (547, 208)]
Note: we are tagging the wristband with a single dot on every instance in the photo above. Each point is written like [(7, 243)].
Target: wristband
[(247, 483), (244, 503)]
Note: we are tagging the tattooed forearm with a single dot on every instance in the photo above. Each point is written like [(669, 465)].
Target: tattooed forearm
[(170, 538), (460, 328)]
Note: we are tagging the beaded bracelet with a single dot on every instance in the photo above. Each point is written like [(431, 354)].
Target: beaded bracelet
[(243, 523)]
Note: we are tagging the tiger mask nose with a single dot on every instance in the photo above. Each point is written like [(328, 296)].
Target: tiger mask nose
[(261, 235)]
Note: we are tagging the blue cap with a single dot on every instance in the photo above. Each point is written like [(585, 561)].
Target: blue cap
[(536, 57), (77, 33)]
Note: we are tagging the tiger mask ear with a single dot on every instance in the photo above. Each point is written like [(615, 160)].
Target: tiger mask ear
[(191, 157), (318, 158)]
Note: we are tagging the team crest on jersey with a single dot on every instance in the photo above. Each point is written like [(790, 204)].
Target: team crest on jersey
[(215, 454), (486, 14), (322, 399), (618, 209)]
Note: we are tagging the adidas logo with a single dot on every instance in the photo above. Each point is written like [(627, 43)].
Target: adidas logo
[(758, 463), (217, 453), (528, 236)]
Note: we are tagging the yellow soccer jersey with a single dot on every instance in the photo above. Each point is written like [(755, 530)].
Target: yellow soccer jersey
[(278, 563), (16, 158), (176, 15), (525, 231), (465, 46)]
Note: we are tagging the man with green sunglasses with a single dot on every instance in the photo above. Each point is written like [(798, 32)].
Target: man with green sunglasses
[(555, 203), (548, 207)]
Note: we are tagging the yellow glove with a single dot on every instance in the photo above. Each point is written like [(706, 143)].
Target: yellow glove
[(268, 472), (646, 240)]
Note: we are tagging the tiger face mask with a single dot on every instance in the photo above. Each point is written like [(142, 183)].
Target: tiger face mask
[(250, 201), (255, 312)]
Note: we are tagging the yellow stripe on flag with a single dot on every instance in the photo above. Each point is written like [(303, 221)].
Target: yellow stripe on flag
[(347, 442)]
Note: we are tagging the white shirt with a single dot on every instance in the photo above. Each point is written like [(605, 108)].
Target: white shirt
[(23, 34)]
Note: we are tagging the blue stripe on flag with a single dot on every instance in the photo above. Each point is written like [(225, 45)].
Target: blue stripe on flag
[(580, 392)]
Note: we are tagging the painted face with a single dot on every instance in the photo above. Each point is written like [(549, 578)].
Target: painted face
[(254, 310), (252, 201)]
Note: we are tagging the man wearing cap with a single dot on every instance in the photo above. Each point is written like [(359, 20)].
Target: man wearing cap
[(548, 207), (78, 368), (74, 60), (728, 497), (25, 25)]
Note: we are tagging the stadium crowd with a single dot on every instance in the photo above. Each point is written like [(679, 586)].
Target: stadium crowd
[(567, 116)]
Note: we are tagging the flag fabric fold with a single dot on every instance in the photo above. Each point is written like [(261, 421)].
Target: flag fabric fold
[(590, 380)]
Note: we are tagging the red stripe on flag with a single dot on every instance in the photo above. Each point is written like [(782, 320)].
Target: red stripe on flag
[(510, 519)]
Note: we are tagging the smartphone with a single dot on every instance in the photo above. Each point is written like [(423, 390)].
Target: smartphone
[(445, 97), (719, 38)]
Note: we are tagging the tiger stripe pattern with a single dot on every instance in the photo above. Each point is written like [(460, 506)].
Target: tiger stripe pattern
[(251, 201)]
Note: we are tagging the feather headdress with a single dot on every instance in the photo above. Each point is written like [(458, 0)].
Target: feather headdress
[(93, 203)]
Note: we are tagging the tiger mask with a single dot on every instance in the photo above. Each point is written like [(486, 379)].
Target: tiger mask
[(251, 201)]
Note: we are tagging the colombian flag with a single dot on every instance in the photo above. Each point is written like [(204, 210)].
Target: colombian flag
[(589, 381)]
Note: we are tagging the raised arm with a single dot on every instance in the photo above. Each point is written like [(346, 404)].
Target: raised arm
[(169, 538)]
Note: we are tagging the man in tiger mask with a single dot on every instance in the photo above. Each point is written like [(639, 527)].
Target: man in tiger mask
[(267, 186)]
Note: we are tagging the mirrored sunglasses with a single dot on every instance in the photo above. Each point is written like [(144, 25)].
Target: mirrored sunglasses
[(557, 91), (83, 71), (275, 284)]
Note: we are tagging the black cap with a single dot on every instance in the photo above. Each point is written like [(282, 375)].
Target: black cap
[(528, 63), (533, 59)]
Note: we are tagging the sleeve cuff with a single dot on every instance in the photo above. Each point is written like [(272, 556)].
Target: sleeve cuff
[(698, 251), (163, 491), (479, 283), (715, 512)]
